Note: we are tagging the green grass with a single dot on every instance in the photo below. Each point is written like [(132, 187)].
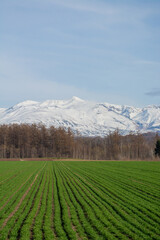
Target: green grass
[(79, 200)]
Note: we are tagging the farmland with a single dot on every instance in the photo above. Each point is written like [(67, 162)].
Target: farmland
[(79, 200)]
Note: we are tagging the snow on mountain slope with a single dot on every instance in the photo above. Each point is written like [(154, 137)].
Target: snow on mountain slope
[(148, 119), (2, 110), (88, 118)]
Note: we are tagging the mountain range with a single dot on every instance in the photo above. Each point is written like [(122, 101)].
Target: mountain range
[(86, 117)]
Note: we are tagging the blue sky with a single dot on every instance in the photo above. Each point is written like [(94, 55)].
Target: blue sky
[(106, 51)]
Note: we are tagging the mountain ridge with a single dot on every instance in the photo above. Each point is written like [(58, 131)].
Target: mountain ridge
[(86, 117)]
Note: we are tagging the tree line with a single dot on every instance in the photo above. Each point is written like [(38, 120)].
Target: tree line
[(38, 141)]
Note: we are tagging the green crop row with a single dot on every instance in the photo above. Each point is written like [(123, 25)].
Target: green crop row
[(79, 200)]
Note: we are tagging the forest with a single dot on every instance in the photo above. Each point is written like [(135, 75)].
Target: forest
[(38, 141)]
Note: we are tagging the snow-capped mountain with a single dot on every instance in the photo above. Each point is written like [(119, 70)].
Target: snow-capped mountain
[(88, 118)]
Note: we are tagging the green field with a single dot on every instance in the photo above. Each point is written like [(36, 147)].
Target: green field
[(79, 200)]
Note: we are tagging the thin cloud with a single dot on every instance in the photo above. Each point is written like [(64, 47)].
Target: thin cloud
[(83, 6), (153, 93), (118, 13), (30, 85), (145, 62)]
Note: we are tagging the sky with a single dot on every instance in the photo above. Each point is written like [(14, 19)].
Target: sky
[(97, 50)]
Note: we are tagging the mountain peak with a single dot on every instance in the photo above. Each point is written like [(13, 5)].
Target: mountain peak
[(74, 98)]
